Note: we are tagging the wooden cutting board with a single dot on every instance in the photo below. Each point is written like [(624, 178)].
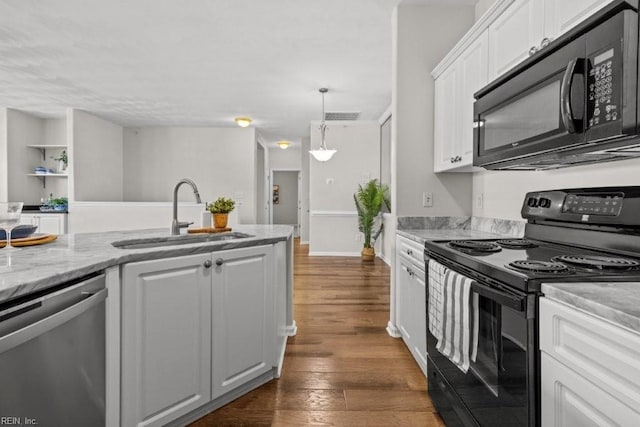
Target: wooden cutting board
[(36, 239), (208, 230)]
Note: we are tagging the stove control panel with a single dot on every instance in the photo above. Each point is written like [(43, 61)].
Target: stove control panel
[(613, 206), (602, 204)]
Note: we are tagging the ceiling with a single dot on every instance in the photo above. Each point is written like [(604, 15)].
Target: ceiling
[(198, 62)]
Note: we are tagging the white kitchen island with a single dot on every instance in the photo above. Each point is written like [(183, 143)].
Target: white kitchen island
[(190, 327)]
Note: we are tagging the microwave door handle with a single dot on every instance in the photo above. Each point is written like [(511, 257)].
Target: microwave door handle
[(566, 110), (503, 298)]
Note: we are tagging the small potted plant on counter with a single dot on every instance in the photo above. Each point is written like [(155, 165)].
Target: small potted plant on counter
[(220, 210), (369, 201)]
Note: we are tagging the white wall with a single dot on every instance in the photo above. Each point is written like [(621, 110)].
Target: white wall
[(423, 35), (286, 210), (96, 158), (24, 129), (482, 6), (55, 131), (284, 159), (304, 191), (333, 220), (221, 161), (4, 157), (502, 192)]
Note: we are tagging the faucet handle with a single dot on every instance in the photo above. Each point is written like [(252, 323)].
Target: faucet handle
[(184, 224)]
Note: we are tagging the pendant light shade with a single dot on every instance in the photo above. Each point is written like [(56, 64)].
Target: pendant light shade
[(322, 154)]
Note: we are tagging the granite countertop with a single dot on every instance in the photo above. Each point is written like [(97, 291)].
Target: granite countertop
[(616, 302), (72, 256), (422, 236)]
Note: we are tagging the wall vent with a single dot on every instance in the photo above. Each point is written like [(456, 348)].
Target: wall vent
[(342, 115)]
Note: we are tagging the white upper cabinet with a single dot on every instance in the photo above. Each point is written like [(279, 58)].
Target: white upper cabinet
[(454, 89), (513, 34), (506, 35), (562, 15)]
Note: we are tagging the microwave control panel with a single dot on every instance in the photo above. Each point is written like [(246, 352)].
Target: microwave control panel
[(602, 90)]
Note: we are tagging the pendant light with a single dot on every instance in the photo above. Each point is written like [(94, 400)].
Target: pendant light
[(322, 154)]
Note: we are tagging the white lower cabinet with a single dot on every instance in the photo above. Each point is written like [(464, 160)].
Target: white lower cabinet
[(54, 223), (166, 339), (194, 328), (411, 299), (243, 317), (590, 369)]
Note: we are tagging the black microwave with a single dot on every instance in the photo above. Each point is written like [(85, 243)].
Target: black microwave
[(573, 102)]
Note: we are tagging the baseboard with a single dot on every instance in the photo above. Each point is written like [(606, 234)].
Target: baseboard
[(292, 329), (393, 331), (324, 253), (385, 260), (222, 400)]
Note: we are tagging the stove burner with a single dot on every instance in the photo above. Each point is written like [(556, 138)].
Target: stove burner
[(474, 246), (539, 266), (598, 262), (516, 243)]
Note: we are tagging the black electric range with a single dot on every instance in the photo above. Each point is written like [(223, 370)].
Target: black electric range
[(575, 235)]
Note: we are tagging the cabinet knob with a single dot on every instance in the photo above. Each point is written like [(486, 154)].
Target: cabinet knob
[(532, 50), (219, 262), (452, 160), (207, 264), (545, 42)]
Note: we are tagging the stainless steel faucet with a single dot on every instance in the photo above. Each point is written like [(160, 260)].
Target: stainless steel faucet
[(175, 224)]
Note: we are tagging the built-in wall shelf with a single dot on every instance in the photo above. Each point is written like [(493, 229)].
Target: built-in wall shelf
[(43, 149), (44, 176)]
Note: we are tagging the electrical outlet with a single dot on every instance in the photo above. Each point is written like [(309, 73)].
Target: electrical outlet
[(427, 200), (479, 201)]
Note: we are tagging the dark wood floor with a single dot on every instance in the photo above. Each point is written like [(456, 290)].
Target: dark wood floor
[(341, 368)]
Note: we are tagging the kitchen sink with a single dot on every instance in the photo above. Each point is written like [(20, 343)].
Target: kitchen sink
[(188, 239)]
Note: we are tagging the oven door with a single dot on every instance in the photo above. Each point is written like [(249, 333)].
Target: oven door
[(500, 386)]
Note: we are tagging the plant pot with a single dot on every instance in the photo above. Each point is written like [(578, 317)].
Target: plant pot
[(220, 220), (368, 254)]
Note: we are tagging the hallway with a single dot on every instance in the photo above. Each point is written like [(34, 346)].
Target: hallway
[(342, 368)]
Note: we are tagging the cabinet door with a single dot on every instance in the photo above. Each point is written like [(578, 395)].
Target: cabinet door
[(243, 316), (513, 33), (473, 75), (419, 321), (29, 219), (562, 15), (445, 118), (403, 286), (166, 339), (51, 224), (569, 400)]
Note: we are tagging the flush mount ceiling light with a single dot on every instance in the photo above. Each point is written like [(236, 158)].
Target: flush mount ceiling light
[(283, 144), (322, 154), (243, 122)]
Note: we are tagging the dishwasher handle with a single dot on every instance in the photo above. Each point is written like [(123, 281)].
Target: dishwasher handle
[(20, 336)]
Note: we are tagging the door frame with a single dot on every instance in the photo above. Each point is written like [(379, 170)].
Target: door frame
[(270, 198)]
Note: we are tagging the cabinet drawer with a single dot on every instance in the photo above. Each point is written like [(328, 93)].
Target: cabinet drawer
[(606, 354), (569, 400), (411, 250)]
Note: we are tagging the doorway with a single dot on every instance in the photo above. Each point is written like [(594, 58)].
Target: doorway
[(285, 198)]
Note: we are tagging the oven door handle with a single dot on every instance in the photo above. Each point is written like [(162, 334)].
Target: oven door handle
[(571, 124), (501, 297)]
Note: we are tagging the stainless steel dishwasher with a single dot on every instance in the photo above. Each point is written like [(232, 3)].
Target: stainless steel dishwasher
[(52, 357)]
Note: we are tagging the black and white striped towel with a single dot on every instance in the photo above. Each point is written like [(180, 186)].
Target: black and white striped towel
[(459, 339), (436, 289)]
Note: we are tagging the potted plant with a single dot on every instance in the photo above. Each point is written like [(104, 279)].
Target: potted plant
[(220, 210), (60, 204), (62, 160), (369, 200)]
